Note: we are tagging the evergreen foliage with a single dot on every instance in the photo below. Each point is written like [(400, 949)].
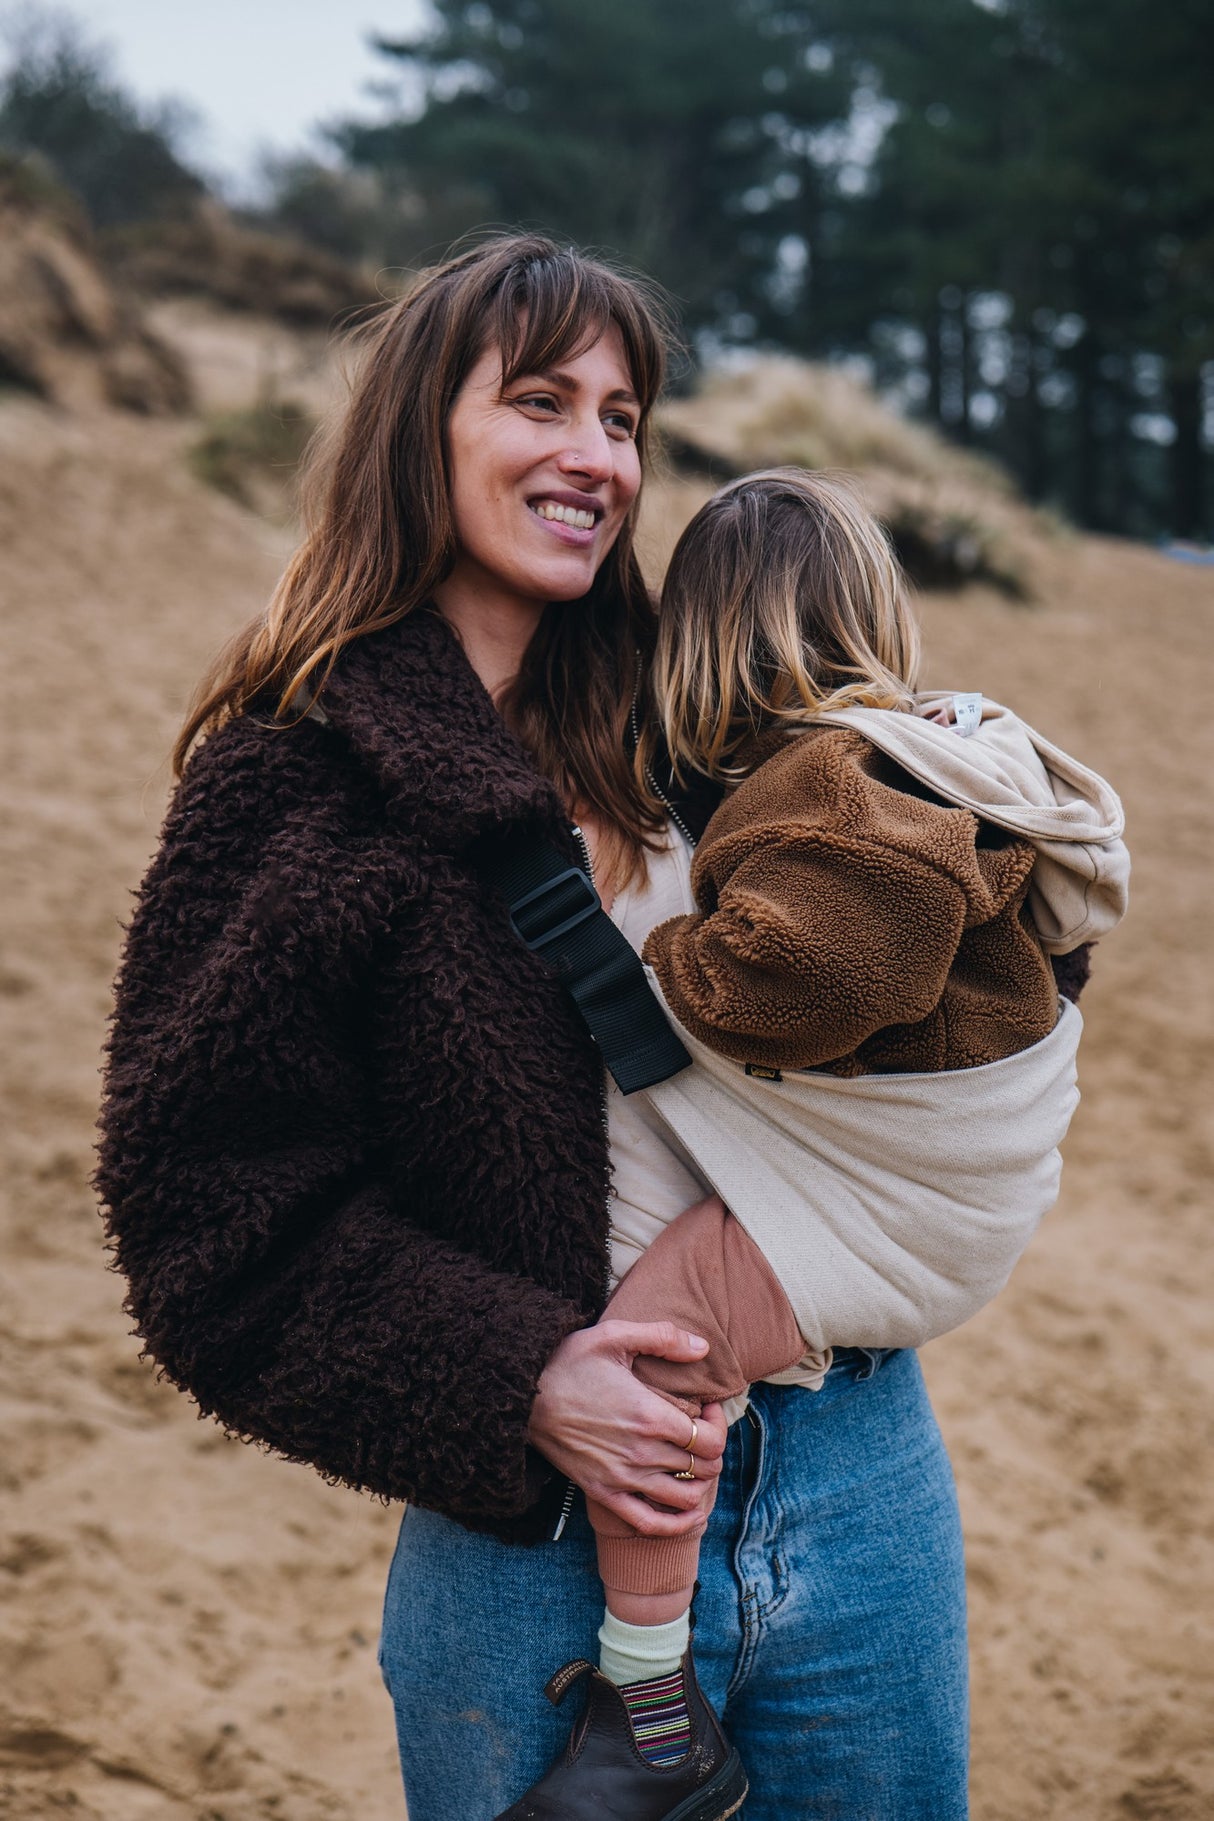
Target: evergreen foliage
[(59, 103), (1005, 206), (674, 135), (1041, 214)]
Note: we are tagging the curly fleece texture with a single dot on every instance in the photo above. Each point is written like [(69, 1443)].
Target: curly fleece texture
[(850, 920), (352, 1140)]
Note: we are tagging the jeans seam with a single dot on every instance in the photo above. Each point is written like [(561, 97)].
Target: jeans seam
[(751, 1616), (781, 1583), (774, 1503), (751, 1627)]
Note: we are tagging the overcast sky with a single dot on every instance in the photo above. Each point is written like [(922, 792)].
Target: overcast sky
[(260, 72)]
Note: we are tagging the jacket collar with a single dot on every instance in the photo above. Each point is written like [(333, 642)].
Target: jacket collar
[(412, 707), (416, 713)]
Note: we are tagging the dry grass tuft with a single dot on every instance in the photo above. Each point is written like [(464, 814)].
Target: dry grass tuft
[(209, 254), (955, 517), (66, 334), (253, 454)]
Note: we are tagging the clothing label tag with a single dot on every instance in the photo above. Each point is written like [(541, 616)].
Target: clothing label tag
[(968, 710)]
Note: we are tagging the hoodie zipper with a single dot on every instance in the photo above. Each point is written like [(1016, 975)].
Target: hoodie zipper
[(652, 782)]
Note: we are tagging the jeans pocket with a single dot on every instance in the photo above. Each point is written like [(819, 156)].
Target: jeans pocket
[(860, 1363)]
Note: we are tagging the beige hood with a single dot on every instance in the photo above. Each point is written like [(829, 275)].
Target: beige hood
[(1008, 774)]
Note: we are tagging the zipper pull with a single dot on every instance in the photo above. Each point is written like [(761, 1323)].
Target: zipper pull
[(566, 1508)]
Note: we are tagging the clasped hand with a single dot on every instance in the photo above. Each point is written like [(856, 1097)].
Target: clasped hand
[(621, 1442)]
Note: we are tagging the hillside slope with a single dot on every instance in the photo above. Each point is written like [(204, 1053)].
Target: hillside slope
[(187, 1628), (67, 334)]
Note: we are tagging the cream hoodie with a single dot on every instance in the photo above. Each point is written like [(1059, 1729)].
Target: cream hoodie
[(1008, 774)]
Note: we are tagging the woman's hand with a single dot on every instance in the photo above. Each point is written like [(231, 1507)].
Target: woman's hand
[(621, 1442)]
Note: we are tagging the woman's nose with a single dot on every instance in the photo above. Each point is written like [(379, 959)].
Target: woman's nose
[(590, 451)]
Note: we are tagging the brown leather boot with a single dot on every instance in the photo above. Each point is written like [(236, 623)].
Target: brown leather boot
[(602, 1774)]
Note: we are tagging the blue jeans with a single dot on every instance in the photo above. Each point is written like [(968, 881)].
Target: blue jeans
[(830, 1632)]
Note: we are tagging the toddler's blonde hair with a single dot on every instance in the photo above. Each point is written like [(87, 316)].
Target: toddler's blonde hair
[(783, 598)]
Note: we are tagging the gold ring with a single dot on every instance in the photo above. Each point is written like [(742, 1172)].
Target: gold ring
[(695, 1430), (687, 1473)]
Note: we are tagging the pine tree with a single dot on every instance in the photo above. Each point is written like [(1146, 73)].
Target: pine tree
[(674, 136), (59, 101)]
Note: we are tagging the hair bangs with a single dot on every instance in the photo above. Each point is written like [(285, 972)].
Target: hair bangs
[(553, 306)]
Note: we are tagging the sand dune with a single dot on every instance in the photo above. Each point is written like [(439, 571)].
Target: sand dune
[(187, 1628)]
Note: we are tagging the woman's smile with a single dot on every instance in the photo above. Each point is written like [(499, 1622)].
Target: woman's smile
[(568, 513)]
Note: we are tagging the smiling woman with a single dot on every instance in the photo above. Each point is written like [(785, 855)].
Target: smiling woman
[(354, 1149), (507, 393)]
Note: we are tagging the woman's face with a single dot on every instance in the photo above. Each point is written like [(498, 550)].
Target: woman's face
[(542, 475)]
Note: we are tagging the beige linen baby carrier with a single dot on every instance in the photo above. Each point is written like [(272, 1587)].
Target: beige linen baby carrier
[(893, 1207)]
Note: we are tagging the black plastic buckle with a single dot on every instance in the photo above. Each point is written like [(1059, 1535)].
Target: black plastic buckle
[(558, 898)]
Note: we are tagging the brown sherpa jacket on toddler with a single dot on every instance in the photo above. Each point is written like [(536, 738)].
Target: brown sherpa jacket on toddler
[(851, 920)]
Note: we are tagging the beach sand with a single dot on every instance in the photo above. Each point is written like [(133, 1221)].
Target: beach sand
[(187, 1627)]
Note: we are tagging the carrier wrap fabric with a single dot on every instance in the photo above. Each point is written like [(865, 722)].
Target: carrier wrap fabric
[(891, 1207)]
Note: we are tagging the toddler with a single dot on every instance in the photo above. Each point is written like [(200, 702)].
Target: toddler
[(879, 917)]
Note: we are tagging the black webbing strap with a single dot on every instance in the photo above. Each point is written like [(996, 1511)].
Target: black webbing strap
[(557, 912)]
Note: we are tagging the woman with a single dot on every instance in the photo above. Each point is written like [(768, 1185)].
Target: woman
[(354, 1145)]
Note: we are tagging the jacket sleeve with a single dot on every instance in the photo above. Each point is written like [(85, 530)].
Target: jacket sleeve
[(1072, 971), (273, 1272), (833, 904)]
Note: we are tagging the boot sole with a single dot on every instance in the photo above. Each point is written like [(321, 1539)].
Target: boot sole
[(719, 1799)]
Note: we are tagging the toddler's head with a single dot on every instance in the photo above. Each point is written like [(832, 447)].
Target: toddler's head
[(783, 598)]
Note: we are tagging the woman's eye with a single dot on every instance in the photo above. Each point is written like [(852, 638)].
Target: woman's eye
[(620, 424)]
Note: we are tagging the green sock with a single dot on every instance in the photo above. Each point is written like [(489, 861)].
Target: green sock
[(637, 1653), (645, 1663)]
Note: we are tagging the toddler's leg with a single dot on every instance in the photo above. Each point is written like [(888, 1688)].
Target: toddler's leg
[(647, 1580), (705, 1273)]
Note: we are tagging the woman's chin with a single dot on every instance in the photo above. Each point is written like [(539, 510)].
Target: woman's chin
[(567, 580)]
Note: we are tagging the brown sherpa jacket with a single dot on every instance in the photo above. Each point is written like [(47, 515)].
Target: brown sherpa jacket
[(352, 1143), (850, 920)]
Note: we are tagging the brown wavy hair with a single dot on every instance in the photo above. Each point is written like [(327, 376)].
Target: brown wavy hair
[(378, 530), (783, 600)]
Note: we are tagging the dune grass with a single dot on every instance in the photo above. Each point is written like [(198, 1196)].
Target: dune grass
[(252, 454)]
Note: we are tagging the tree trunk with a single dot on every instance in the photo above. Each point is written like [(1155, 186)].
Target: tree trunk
[(935, 366), (1087, 442), (1187, 463), (936, 406), (1036, 451), (965, 358), (1018, 404), (1119, 446)]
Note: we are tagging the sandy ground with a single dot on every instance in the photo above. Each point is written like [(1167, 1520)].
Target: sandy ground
[(187, 1628)]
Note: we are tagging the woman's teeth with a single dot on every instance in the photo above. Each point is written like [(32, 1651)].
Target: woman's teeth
[(566, 515)]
